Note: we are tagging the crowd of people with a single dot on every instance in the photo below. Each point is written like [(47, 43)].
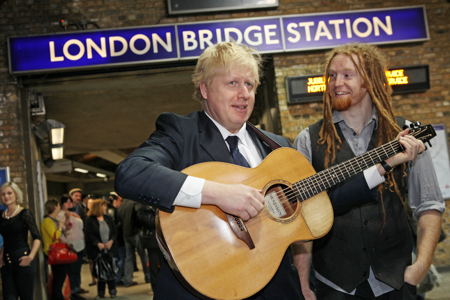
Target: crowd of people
[(93, 228), (366, 255)]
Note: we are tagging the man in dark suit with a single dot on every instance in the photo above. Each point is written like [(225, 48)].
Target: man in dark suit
[(226, 77)]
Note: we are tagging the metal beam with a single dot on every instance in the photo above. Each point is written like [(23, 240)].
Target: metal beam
[(110, 155)]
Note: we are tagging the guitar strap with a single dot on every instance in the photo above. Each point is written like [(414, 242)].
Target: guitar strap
[(271, 143)]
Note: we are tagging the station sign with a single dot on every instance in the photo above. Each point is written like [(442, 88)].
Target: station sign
[(165, 43)]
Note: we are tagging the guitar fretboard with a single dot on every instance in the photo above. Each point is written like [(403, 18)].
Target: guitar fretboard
[(327, 178)]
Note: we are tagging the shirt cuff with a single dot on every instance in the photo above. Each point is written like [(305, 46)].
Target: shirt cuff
[(373, 177), (190, 194)]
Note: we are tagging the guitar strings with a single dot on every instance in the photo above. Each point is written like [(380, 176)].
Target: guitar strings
[(316, 181), (288, 195)]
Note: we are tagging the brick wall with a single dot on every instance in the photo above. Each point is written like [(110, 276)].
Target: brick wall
[(20, 17), (11, 145)]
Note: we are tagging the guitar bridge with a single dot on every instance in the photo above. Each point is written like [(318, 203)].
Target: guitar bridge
[(240, 230)]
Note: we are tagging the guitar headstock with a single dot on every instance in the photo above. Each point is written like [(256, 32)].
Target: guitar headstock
[(422, 132)]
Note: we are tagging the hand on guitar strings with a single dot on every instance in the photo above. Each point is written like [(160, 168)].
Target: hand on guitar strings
[(412, 147), (236, 199)]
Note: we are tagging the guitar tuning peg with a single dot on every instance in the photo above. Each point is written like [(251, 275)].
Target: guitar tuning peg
[(429, 143), (415, 125)]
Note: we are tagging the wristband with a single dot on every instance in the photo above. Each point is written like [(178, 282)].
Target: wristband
[(387, 168)]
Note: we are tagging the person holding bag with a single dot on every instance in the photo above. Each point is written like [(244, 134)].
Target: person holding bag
[(100, 237), (74, 237), (18, 267), (52, 230)]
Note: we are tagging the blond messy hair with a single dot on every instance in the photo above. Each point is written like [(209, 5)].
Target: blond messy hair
[(371, 66), (224, 56)]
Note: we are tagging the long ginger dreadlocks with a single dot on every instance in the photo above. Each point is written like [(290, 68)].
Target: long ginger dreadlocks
[(371, 66)]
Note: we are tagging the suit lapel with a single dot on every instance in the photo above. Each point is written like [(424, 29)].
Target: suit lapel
[(211, 140)]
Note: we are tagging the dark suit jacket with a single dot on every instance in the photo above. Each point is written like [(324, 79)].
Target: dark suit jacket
[(151, 175)]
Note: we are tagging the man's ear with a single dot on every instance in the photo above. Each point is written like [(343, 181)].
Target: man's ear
[(203, 90)]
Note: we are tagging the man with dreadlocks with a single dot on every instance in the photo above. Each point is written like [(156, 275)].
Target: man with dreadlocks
[(367, 254)]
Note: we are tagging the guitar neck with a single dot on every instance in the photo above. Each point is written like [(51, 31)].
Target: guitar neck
[(327, 178)]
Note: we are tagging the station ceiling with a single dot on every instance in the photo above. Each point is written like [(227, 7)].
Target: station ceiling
[(107, 115)]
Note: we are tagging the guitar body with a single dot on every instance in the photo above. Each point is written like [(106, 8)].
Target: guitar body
[(207, 253)]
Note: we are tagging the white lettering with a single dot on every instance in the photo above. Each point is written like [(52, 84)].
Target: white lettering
[(205, 38), (295, 38), (337, 29), (377, 24), (348, 28), (112, 46), (134, 39), (322, 30), (90, 44), (69, 43), (219, 35), (189, 41), (269, 34), (229, 30), (157, 40), (53, 57), (360, 33), (307, 25), (257, 35)]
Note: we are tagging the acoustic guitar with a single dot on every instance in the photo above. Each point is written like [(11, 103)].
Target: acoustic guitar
[(222, 257)]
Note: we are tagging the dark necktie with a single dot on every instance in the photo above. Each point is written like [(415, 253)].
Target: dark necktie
[(237, 156)]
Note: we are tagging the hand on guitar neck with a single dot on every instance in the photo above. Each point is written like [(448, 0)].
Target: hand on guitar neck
[(412, 147), (235, 199)]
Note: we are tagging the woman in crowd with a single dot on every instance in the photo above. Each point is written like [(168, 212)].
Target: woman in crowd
[(18, 264), (52, 230), (74, 237), (100, 237)]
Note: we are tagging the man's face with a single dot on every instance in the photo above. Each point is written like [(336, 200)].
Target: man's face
[(230, 97), (118, 202), (346, 86), (76, 197)]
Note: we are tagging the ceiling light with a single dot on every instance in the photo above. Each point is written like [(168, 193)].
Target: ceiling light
[(80, 170), (56, 132), (101, 175), (57, 152)]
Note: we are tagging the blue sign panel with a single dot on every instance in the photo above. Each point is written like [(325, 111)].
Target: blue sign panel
[(330, 30), (263, 35), (78, 50), (4, 175), (90, 49)]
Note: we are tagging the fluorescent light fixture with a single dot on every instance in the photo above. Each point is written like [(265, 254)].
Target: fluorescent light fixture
[(56, 132), (81, 170), (57, 135), (57, 152), (101, 175)]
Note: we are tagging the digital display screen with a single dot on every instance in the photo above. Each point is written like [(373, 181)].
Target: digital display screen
[(303, 89), (176, 7)]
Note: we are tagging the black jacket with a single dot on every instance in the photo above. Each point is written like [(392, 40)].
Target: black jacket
[(92, 235)]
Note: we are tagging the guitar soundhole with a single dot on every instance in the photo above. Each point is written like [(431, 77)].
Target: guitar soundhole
[(281, 202)]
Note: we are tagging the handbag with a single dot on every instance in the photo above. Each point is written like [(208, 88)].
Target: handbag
[(60, 252), (104, 267)]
